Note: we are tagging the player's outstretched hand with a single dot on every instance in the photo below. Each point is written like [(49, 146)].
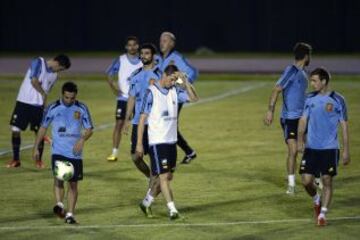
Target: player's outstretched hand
[(139, 151), (268, 118), (78, 146), (346, 158)]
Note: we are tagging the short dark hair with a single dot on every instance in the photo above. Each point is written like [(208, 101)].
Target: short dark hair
[(170, 69), (132, 38), (322, 73), (63, 60), (302, 49), (149, 46), (69, 87)]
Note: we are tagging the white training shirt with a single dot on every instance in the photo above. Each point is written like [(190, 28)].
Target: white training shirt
[(162, 119), (125, 71), (28, 94)]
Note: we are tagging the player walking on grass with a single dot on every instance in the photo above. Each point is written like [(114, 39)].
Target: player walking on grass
[(71, 127), (167, 57), (31, 100), (139, 82), (323, 112), (122, 67), (293, 85), (160, 110)]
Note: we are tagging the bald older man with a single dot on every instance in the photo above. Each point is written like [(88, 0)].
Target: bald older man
[(169, 56)]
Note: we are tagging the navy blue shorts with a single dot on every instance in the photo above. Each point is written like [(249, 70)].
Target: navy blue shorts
[(163, 158), (319, 162), (25, 114), (120, 110), (77, 163), (134, 139), (290, 128)]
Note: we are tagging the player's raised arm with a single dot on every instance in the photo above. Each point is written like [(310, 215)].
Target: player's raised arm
[(189, 88)]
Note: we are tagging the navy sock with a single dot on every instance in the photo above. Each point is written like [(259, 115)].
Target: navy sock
[(16, 142)]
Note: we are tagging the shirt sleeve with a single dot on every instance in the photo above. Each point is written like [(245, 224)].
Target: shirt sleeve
[(184, 66), (48, 117), (147, 102), (113, 69), (286, 77), (182, 95), (35, 68), (86, 118)]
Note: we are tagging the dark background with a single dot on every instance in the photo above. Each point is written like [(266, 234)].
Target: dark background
[(266, 26)]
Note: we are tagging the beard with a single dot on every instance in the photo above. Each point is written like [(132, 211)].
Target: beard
[(146, 62)]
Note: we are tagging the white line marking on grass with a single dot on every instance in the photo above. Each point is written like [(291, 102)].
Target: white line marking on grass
[(226, 94), (175, 224)]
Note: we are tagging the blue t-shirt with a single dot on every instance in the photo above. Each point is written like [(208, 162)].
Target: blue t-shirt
[(324, 112), (175, 58), (139, 82), (294, 83), (67, 123), (148, 98)]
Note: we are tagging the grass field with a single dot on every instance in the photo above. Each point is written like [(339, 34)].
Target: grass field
[(235, 189)]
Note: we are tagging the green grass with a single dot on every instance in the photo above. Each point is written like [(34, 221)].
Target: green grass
[(239, 175)]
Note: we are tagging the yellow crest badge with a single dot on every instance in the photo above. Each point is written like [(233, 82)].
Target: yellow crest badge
[(329, 107), (77, 115)]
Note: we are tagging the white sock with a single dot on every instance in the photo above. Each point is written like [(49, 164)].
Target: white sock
[(115, 151), (323, 212), (148, 200), (316, 199), (69, 214), (171, 206), (60, 204), (291, 180)]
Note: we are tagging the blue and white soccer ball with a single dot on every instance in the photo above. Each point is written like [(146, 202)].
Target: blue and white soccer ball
[(63, 170)]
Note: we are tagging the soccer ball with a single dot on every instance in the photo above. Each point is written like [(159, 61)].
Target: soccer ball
[(63, 170)]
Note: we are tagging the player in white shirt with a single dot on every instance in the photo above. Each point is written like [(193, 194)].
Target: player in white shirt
[(31, 99), (160, 109), (122, 68)]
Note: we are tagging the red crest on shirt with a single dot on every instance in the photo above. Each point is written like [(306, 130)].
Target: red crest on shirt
[(77, 115), (329, 107)]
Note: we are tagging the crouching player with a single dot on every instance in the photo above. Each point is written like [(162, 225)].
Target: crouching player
[(323, 111), (68, 118), (159, 108)]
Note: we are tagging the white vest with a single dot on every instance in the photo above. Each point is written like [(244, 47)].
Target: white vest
[(28, 94), (125, 71), (162, 120)]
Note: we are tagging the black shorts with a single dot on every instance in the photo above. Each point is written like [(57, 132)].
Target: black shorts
[(320, 162), (120, 110), (163, 158), (25, 114), (134, 139), (77, 163), (290, 128)]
